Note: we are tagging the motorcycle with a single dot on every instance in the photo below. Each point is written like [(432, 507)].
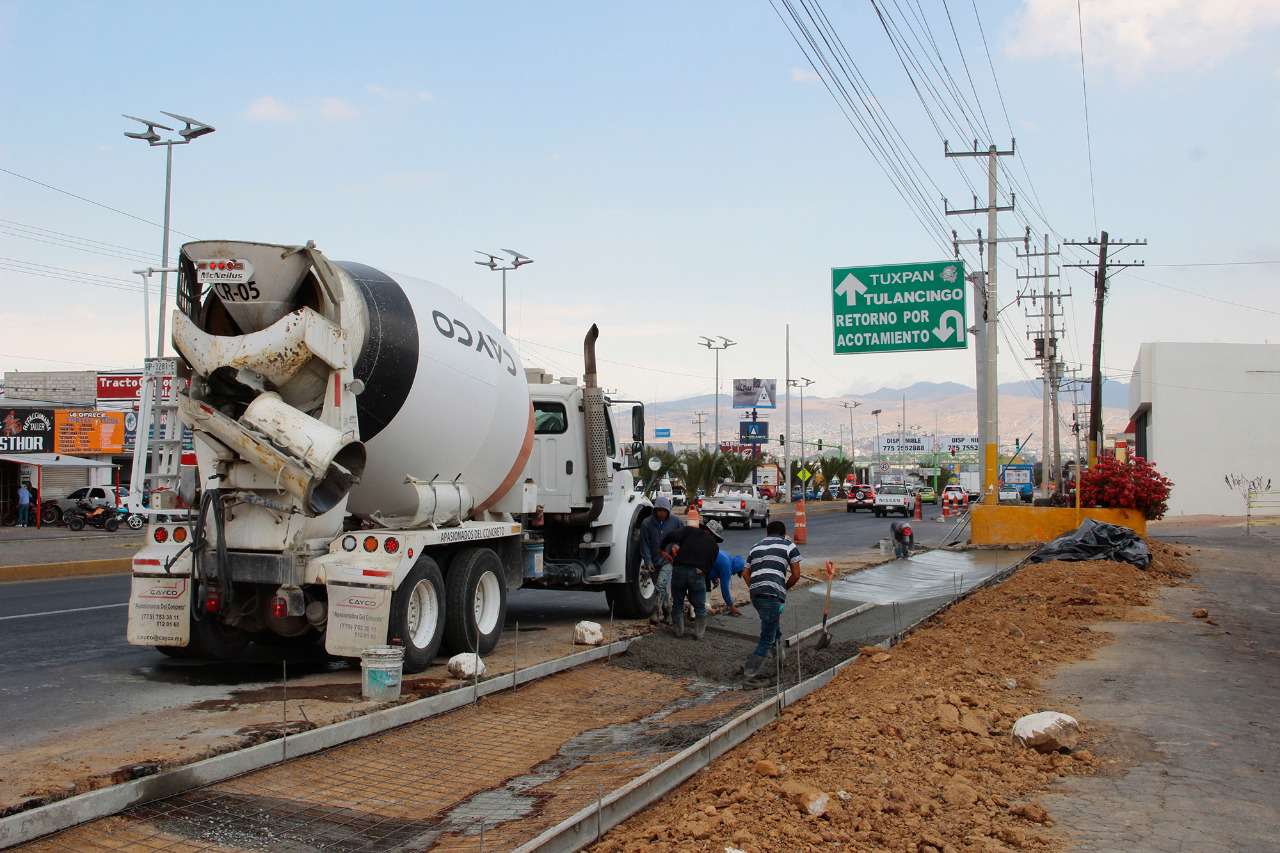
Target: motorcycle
[(100, 517)]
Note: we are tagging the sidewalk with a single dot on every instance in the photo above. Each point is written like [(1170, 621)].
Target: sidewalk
[(1191, 703), (26, 546)]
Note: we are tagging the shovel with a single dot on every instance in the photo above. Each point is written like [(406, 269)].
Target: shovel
[(825, 639)]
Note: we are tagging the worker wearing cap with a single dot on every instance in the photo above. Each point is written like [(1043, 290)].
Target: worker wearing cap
[(652, 557), (903, 539), (727, 565), (695, 550)]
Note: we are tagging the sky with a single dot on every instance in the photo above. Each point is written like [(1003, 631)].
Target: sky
[(674, 169)]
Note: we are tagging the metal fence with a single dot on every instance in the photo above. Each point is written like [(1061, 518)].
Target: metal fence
[(1261, 507)]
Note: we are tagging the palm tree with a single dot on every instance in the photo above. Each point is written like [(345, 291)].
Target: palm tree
[(701, 469), (834, 470), (740, 466)]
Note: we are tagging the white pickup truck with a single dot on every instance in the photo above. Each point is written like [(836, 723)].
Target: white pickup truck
[(736, 503), (891, 497)]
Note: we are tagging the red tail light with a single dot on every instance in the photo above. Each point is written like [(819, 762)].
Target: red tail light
[(279, 607), (212, 599), (742, 504), (699, 503), (161, 535), (391, 544)]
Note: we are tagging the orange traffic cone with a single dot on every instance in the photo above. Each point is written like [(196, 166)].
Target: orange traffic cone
[(802, 525), (693, 517), (946, 506), (919, 508)]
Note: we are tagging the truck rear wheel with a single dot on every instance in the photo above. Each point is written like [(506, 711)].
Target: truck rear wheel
[(211, 640), (475, 601), (637, 596), (416, 614)]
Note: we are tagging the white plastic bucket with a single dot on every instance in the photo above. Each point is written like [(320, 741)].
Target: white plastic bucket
[(886, 546), (381, 668)]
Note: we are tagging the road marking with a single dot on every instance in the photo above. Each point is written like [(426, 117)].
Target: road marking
[(59, 612)]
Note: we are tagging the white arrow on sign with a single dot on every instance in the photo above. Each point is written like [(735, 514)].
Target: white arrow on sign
[(946, 329), (850, 288)]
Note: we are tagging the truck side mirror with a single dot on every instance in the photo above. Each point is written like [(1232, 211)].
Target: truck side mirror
[(637, 423)]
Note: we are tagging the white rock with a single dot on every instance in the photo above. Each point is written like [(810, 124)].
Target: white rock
[(845, 796), (733, 850), (588, 634), (466, 665), (1047, 731)]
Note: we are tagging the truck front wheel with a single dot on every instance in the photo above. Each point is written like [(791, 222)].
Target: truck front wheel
[(416, 615), (475, 601), (637, 596)]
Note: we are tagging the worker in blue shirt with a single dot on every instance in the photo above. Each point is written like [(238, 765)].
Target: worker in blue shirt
[(726, 566)]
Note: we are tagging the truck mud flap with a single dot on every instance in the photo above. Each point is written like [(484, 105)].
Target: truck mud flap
[(359, 617), (160, 609)]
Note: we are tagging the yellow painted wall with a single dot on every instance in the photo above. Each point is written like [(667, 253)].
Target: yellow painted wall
[(1012, 525)]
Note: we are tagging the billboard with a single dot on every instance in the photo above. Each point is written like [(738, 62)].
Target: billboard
[(123, 390), (753, 432), (26, 430), (755, 393), (906, 444), (80, 431), (957, 444)]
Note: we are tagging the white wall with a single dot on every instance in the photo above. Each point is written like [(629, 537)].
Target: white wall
[(1215, 410)]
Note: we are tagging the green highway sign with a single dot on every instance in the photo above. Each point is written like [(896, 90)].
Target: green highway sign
[(899, 307)]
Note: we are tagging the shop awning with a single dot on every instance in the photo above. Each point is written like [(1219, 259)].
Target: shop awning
[(53, 460)]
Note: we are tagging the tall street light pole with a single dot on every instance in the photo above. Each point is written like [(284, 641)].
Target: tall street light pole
[(716, 346), (850, 407), (193, 129), (875, 413), (802, 383), (494, 263)]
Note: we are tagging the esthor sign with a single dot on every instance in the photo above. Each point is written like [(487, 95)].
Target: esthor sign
[(899, 307)]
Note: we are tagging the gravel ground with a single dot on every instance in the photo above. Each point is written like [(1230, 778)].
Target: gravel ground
[(910, 749)]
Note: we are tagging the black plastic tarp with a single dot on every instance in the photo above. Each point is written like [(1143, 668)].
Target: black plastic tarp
[(1094, 540)]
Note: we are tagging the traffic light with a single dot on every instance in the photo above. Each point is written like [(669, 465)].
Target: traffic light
[(819, 445), (782, 439), (754, 417)]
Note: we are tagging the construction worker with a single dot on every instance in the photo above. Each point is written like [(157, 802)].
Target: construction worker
[(653, 558), (694, 548), (727, 565), (903, 539), (773, 567)]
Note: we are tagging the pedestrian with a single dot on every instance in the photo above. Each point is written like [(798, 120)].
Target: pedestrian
[(24, 504), (903, 539), (773, 567), (652, 557), (695, 549), (727, 565)]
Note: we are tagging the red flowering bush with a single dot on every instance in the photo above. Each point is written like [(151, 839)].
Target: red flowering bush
[(1135, 484)]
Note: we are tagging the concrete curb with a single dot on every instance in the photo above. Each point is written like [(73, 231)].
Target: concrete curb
[(591, 823), (72, 568), (67, 813)]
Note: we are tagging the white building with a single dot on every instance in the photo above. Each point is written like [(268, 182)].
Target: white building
[(1202, 411)]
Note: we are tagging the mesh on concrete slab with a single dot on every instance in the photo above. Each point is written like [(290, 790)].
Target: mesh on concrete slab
[(487, 776)]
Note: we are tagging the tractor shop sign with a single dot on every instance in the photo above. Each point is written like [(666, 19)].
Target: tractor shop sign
[(26, 430), (899, 307)]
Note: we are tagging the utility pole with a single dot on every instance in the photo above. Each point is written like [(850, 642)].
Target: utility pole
[(1100, 276), (1046, 352), (716, 346), (698, 418), (786, 444), (990, 413)]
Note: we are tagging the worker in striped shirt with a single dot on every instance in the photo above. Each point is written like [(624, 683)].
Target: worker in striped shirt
[(773, 567)]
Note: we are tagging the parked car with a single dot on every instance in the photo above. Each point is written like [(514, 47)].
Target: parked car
[(739, 503), (861, 496), (54, 511), (894, 498), (678, 496), (955, 492)]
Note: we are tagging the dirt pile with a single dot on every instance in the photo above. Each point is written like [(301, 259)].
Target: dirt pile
[(913, 746)]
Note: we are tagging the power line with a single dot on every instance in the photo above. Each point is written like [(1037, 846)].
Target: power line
[(1205, 295), (94, 203), (1219, 264), (1088, 135), (68, 270)]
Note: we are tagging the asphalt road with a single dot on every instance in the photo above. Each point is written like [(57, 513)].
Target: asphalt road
[(66, 661)]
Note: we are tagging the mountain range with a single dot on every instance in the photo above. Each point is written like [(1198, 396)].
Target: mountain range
[(947, 408)]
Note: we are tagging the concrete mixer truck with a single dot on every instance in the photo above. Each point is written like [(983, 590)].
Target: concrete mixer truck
[(375, 465)]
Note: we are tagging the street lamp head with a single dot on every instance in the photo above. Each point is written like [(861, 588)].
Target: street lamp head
[(725, 343), (149, 135), (491, 262), (194, 127), (518, 260), (877, 412)]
